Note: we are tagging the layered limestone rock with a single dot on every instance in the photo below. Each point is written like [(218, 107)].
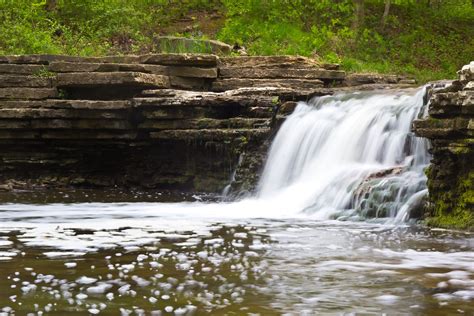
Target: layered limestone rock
[(450, 127), (174, 121)]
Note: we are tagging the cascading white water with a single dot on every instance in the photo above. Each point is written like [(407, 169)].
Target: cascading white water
[(336, 157), (350, 155)]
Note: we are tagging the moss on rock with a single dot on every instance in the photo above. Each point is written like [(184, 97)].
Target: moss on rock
[(454, 208)]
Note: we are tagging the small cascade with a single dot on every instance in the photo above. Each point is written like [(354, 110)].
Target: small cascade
[(350, 156), (227, 189)]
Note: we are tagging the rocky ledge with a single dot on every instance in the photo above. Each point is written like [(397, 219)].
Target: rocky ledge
[(168, 121), (450, 127)]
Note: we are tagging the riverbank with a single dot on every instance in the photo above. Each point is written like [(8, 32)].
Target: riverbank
[(428, 40)]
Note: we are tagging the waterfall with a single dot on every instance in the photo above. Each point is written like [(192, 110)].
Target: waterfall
[(350, 155)]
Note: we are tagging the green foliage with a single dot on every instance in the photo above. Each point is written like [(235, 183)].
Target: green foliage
[(87, 27), (43, 72), (461, 219), (429, 42), (425, 42), (62, 94)]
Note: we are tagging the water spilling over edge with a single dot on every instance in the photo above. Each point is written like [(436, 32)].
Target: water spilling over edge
[(336, 157), (350, 155)]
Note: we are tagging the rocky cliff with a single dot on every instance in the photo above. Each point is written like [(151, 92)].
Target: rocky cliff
[(450, 127), (168, 121)]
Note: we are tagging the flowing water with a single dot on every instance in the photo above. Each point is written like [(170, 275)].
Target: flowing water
[(328, 232)]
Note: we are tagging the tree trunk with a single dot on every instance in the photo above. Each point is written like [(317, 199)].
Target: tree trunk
[(386, 12), (359, 15)]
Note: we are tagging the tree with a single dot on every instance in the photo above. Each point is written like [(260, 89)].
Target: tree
[(386, 12)]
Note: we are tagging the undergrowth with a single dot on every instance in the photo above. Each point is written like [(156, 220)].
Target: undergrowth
[(427, 39)]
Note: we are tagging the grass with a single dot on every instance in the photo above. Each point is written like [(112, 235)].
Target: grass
[(428, 43)]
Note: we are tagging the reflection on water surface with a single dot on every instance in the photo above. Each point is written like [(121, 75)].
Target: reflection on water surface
[(177, 259)]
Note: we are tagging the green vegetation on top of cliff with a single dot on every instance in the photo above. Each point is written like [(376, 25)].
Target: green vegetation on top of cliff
[(429, 39)]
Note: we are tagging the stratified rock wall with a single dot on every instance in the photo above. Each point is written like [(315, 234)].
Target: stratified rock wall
[(450, 127), (172, 121)]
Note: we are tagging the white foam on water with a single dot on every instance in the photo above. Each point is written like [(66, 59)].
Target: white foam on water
[(387, 299), (338, 157), (86, 280), (5, 243), (325, 154), (99, 288)]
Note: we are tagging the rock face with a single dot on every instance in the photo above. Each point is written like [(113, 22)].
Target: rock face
[(171, 121), (450, 127)]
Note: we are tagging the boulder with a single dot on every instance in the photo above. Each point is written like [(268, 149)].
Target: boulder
[(467, 72), (183, 44)]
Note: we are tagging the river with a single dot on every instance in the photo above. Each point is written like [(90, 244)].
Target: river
[(330, 230)]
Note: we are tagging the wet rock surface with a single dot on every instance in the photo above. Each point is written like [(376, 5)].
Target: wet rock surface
[(168, 121), (450, 127)]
